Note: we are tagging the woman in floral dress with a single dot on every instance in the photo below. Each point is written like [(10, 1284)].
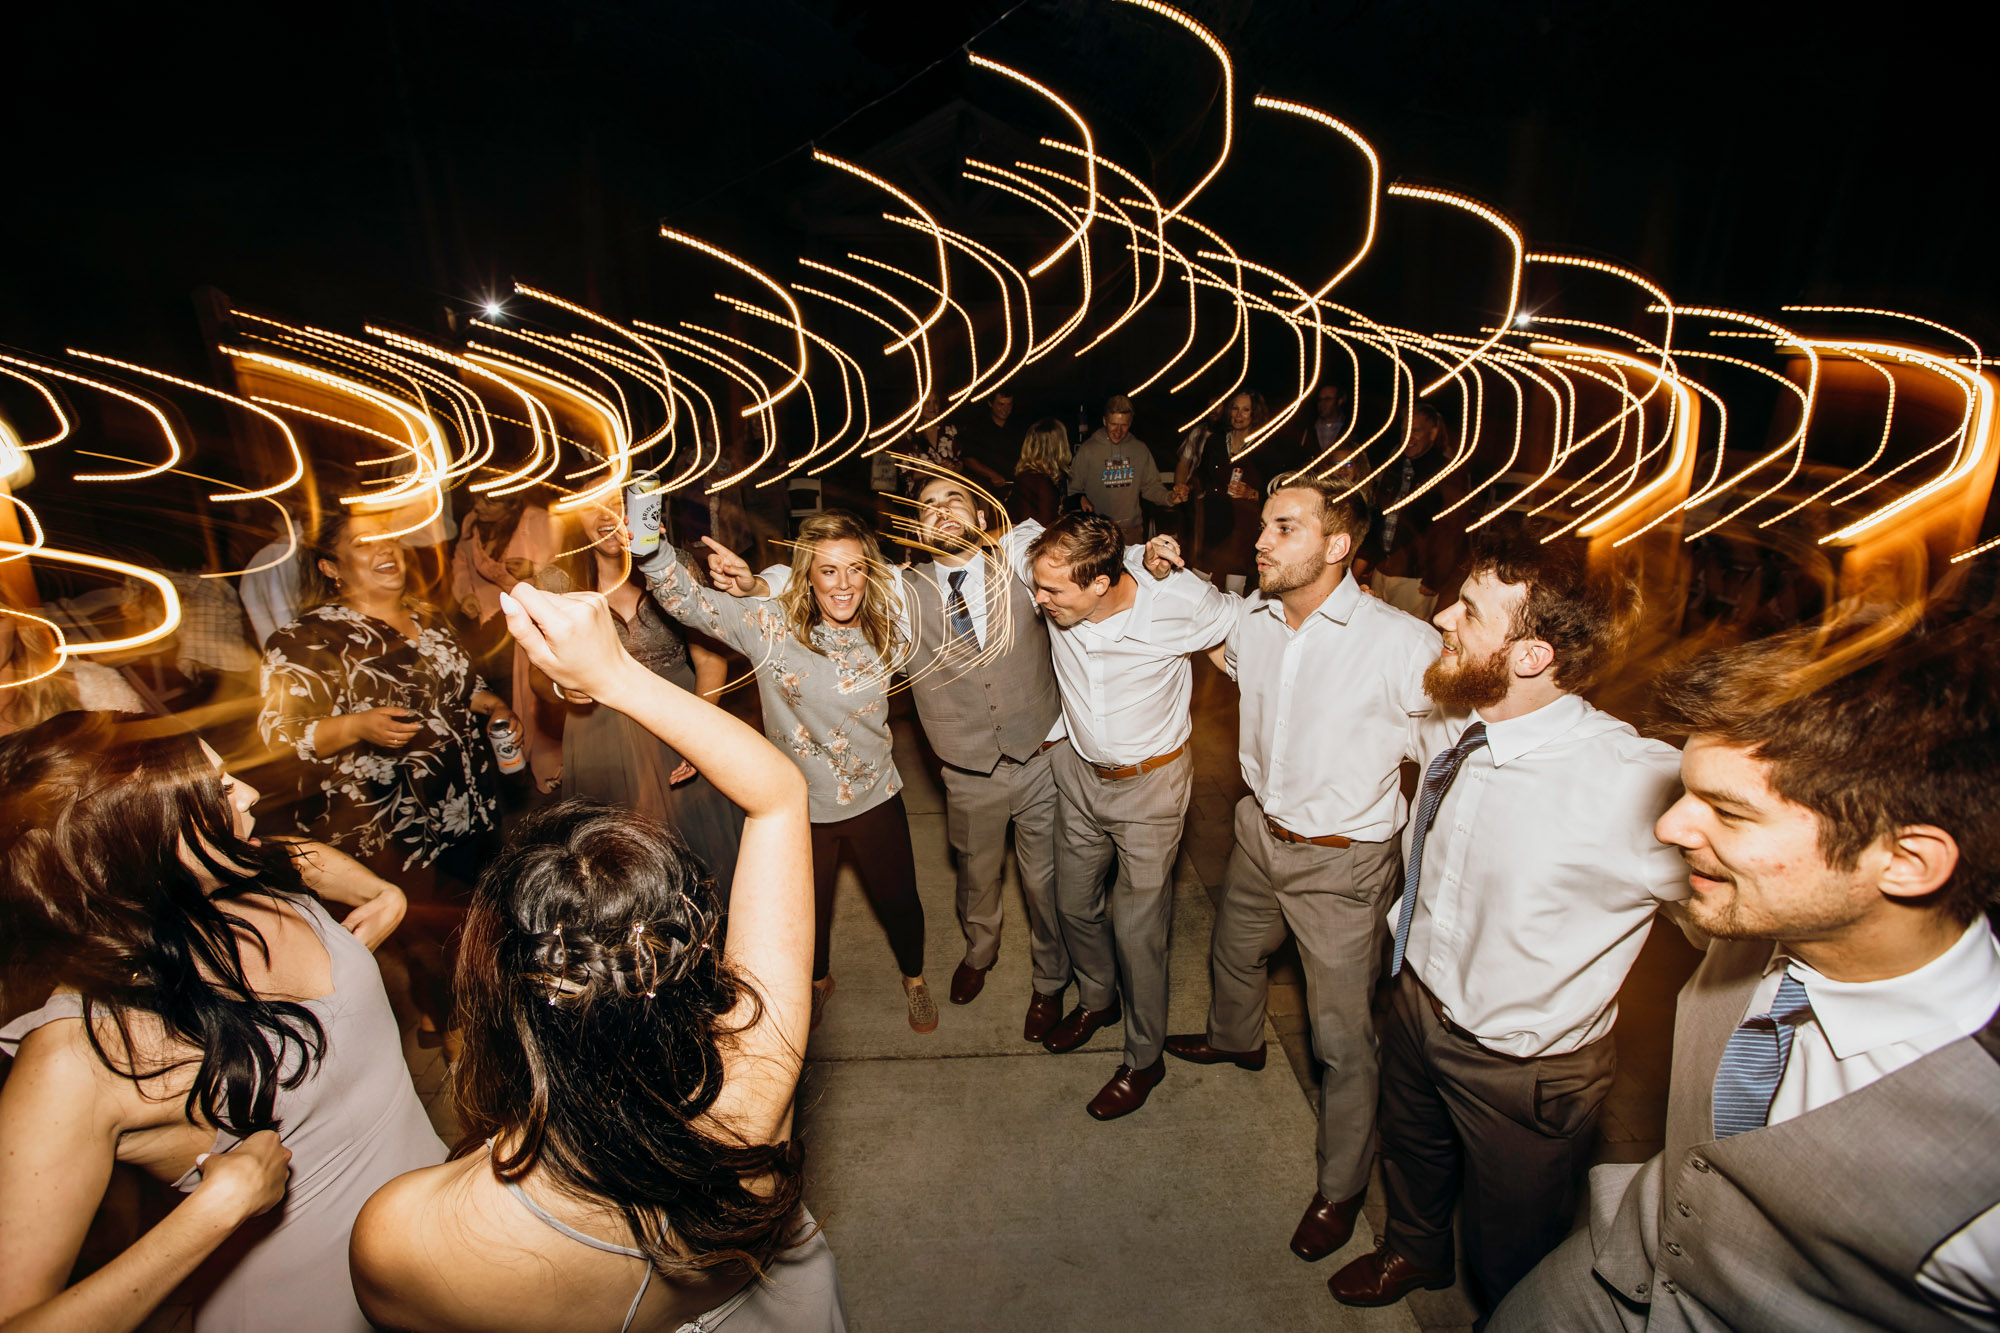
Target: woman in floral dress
[(824, 652), (372, 692)]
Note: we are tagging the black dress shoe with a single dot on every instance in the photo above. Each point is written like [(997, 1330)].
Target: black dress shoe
[(1325, 1227), (1044, 1012), (1382, 1278), (1194, 1048), (1078, 1027), (967, 982), (1127, 1091)]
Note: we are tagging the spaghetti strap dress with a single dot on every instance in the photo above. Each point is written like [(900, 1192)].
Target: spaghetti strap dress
[(799, 1293), (355, 1125)]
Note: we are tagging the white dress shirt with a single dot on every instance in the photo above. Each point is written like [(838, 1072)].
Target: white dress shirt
[(1325, 758), (1861, 1031), (271, 596), (1542, 874)]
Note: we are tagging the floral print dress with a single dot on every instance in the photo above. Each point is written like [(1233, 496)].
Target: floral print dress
[(415, 801), (826, 705)]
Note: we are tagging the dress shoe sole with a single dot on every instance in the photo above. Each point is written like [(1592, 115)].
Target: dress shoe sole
[(1314, 1256), (1375, 1302)]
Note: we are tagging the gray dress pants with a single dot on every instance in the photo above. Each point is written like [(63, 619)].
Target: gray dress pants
[(978, 807), (1138, 820), (1332, 898)]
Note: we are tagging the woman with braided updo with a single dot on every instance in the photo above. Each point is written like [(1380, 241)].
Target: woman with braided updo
[(628, 1067)]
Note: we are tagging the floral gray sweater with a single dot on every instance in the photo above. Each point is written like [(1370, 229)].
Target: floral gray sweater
[(826, 706)]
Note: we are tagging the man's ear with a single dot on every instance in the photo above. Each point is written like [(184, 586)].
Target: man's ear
[(979, 517), (1922, 858), (1338, 547), (1532, 657), (1100, 585)]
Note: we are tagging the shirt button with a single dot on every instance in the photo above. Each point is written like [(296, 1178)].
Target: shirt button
[(1683, 1210), (1674, 1248), (1669, 1288)]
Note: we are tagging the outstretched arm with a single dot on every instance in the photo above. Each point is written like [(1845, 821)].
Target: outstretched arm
[(770, 937)]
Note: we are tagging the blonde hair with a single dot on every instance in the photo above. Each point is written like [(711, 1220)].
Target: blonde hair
[(1046, 450), (24, 701), (801, 608)]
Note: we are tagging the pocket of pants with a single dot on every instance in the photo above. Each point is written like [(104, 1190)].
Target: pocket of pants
[(1566, 1100)]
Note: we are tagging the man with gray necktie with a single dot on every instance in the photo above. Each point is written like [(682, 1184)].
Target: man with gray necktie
[(1830, 1152), (1531, 877)]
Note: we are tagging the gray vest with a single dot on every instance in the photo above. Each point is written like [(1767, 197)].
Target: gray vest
[(1821, 1222), (973, 710)]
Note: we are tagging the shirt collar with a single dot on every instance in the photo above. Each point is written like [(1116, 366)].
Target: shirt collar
[(1955, 989), (1516, 736), (1338, 606), (1136, 620)]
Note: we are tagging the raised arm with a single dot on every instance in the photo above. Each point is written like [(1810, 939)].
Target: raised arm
[(770, 936), (734, 620)]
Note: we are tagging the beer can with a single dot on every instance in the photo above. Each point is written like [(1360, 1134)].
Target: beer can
[(643, 499), (506, 741)]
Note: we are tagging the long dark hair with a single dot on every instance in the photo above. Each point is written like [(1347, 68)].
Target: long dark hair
[(592, 997), (95, 895)]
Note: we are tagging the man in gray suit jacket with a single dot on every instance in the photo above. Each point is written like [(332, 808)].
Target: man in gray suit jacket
[(1835, 1104)]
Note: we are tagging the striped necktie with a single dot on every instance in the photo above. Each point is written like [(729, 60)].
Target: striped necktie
[(1754, 1062), (1437, 781), (959, 612)]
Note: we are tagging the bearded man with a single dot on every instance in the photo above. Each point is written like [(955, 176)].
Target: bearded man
[(1531, 877)]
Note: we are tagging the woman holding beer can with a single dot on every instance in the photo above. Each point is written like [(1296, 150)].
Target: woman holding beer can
[(373, 693)]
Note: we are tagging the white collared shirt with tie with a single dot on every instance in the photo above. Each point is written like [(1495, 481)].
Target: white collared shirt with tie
[(1541, 874), (1330, 710), (1861, 1031)]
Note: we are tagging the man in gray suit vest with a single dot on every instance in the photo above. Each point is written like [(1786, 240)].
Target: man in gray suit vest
[(1830, 1152)]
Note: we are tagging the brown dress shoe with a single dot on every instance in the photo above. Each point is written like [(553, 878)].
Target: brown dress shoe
[(1044, 1012), (1382, 1278), (1078, 1027), (967, 982), (1127, 1091), (1325, 1227), (1194, 1048)]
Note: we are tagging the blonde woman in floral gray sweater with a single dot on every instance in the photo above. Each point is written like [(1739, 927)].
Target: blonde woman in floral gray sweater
[(824, 653)]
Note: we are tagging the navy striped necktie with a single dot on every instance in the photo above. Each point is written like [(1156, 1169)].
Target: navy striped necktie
[(1437, 781), (960, 613), (1754, 1064)]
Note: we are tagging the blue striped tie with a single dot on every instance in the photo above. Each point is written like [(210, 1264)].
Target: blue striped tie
[(1751, 1068), (960, 613), (1437, 781)]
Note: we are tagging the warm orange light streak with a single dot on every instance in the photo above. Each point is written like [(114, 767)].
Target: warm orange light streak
[(943, 288), (584, 354), (1506, 229), (535, 469), (1644, 284), (971, 335), (1221, 54), (1681, 426), (166, 427), (1374, 181), (62, 418), (925, 377), (298, 458), (284, 517), (1978, 356), (1881, 444), (1496, 365), (585, 312), (988, 259), (1975, 436), (798, 324), (170, 600), (1152, 202), (842, 362), (1240, 330), (736, 369), (1036, 194), (1307, 379), (617, 459), (1138, 277), (1796, 445), (909, 414), (57, 658), (1090, 163), (1187, 276)]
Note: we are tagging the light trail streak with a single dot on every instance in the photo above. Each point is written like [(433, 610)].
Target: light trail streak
[(1978, 356), (971, 335), (1138, 276), (291, 442), (1221, 54), (585, 312), (1152, 202), (1374, 181), (909, 414), (1506, 229), (943, 288), (925, 376), (1881, 443), (1796, 445), (171, 602), (174, 451), (1036, 194), (1076, 237), (536, 470), (737, 370), (988, 259), (1681, 412), (62, 418), (798, 324), (843, 362), (1306, 379)]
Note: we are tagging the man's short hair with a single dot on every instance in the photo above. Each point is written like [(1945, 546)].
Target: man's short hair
[(1342, 507), (1118, 405), (1089, 545), (1869, 729), (1565, 607)]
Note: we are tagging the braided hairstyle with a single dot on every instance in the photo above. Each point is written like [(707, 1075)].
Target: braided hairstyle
[(594, 1002)]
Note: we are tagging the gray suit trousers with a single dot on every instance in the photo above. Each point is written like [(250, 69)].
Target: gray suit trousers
[(978, 808), (1139, 821), (1333, 900)]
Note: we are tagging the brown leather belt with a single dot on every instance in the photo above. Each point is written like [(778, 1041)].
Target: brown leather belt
[(1437, 1008), (1119, 774), (1283, 834), (1046, 746)]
